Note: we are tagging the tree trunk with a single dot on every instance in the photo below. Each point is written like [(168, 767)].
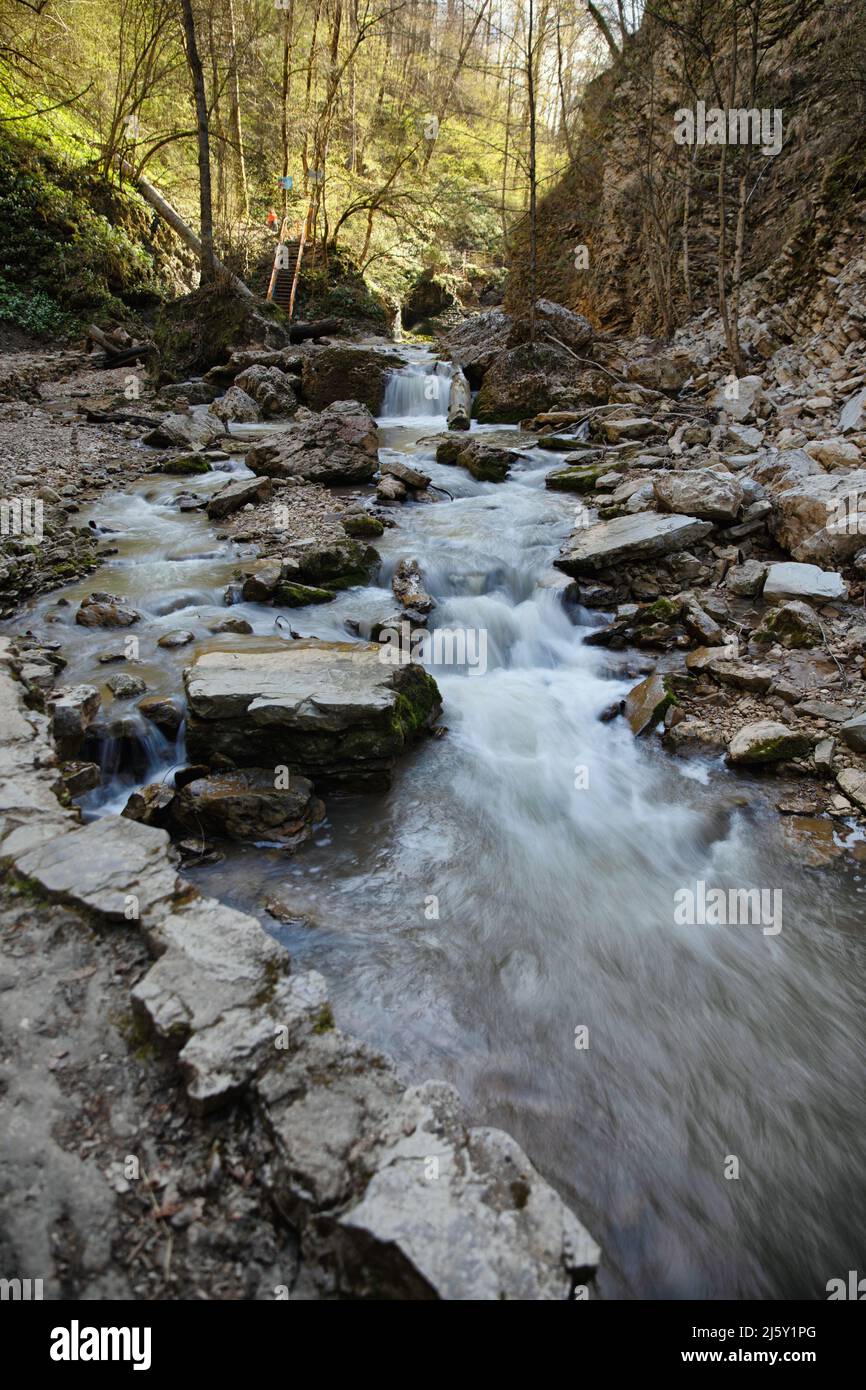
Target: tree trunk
[(235, 113), (533, 191), (459, 403), (603, 25), (284, 101), (206, 258)]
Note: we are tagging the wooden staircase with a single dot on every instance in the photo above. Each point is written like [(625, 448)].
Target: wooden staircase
[(283, 286)]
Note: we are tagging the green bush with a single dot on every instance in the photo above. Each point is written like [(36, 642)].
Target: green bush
[(34, 311), (71, 240)]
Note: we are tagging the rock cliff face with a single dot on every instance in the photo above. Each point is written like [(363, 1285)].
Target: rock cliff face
[(646, 208)]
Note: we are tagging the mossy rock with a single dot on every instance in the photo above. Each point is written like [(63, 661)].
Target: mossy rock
[(793, 625), (485, 467), (359, 527), (664, 610), (185, 466), (648, 702), (418, 701), (486, 462), (289, 595), (352, 579), (580, 478), (200, 330), (449, 450), (340, 373), (767, 741), (431, 294)]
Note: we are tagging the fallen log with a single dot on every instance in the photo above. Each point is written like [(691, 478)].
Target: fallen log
[(128, 355), (116, 356), (300, 332), (118, 417), (176, 222)]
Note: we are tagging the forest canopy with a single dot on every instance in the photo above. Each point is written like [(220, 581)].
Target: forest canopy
[(410, 135)]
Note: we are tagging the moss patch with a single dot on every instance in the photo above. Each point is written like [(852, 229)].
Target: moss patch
[(185, 466), (581, 478), (299, 595), (362, 526)]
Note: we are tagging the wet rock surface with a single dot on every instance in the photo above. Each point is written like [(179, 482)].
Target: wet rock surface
[(252, 804), (643, 537), (328, 710)]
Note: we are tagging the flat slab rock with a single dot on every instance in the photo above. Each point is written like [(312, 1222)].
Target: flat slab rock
[(334, 711), (788, 579), (113, 866), (644, 536)]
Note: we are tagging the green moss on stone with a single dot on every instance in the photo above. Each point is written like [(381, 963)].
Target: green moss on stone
[(361, 526), (185, 466), (299, 595), (664, 610), (581, 478), (418, 700)]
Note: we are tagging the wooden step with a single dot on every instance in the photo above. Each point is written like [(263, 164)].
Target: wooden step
[(282, 289), (288, 254)]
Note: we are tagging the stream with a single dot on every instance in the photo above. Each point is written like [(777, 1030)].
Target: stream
[(517, 884)]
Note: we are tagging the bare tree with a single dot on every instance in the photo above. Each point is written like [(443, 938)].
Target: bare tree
[(208, 270)]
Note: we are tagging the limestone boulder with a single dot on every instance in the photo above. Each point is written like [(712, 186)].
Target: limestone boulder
[(337, 712), (834, 453), (821, 519), (251, 804), (340, 373), (72, 711), (186, 430), (272, 389), (792, 625), (766, 741), (700, 492), (336, 447), (105, 610), (236, 406), (790, 580), (647, 702), (644, 536), (235, 495)]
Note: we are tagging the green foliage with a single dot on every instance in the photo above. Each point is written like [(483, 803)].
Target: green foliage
[(341, 291), (72, 243), (33, 311)]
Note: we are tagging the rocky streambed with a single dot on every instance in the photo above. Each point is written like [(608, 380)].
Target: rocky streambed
[(495, 905)]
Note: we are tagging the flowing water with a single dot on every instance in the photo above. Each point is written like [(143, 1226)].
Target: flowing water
[(517, 884)]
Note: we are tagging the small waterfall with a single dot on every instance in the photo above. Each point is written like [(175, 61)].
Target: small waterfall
[(130, 752), (417, 393)]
